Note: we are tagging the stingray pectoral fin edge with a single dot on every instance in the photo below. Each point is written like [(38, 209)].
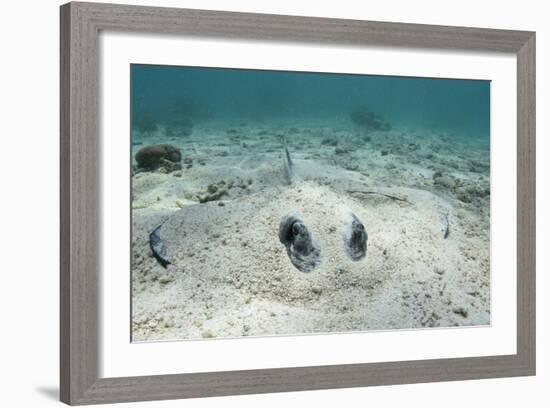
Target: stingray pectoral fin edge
[(301, 249), (158, 247)]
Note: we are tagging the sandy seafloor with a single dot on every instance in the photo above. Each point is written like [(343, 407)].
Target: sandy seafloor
[(230, 276)]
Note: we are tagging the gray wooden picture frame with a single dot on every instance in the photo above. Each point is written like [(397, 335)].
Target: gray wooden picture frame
[(81, 24)]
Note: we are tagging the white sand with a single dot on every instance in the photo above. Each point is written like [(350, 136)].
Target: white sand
[(230, 276)]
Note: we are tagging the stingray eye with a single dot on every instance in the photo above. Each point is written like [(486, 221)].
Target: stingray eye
[(301, 249), (355, 240)]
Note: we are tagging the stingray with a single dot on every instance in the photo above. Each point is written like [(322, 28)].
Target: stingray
[(310, 223), (302, 248)]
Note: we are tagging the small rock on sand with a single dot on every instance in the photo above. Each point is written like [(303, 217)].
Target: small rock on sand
[(166, 279), (461, 311), (207, 334)]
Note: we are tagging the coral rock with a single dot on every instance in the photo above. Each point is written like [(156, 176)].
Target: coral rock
[(369, 120), (153, 157)]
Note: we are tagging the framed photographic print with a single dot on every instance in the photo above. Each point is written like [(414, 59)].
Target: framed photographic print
[(261, 203)]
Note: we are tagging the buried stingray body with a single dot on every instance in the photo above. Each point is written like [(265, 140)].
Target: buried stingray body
[(303, 251)]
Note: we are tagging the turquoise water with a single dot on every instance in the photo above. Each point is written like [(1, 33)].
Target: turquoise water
[(184, 96)]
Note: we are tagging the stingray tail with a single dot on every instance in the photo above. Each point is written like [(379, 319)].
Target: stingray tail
[(288, 165)]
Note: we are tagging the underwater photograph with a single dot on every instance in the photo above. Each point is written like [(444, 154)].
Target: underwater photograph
[(269, 203)]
